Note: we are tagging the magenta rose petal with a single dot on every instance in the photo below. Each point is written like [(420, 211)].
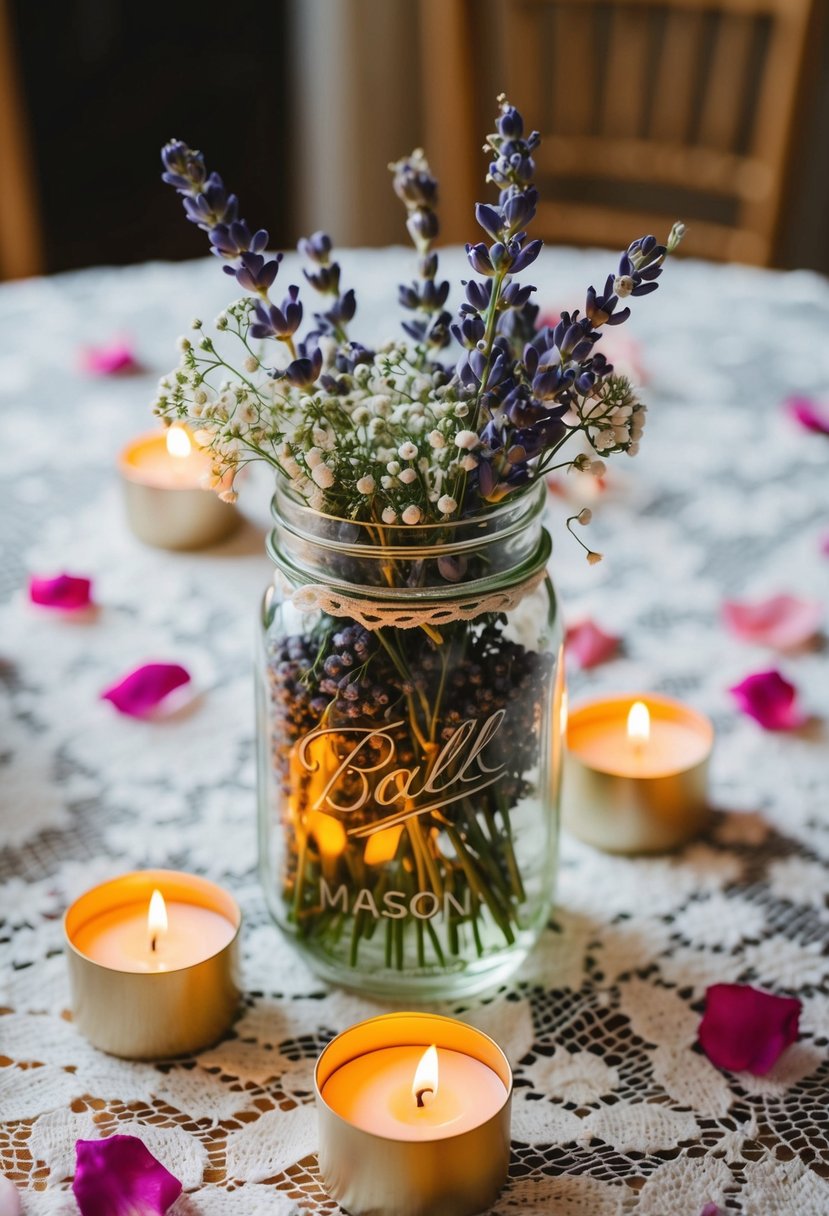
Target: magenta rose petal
[(589, 644), (710, 1209), (113, 359), (783, 622), (67, 592), (811, 415), (769, 699), (744, 1029), (143, 689), (119, 1176)]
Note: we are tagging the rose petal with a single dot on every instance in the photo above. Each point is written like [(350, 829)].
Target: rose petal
[(589, 644), (710, 1209), (812, 415), (67, 592), (783, 622), (119, 1176), (9, 1197), (746, 1029), (770, 699), (143, 689), (114, 359)]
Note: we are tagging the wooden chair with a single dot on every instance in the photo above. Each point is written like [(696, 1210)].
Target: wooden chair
[(649, 109), (21, 251)]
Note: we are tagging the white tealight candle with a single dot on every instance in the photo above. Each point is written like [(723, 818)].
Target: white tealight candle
[(377, 1093), (635, 773), (156, 937), (414, 1116), (152, 963)]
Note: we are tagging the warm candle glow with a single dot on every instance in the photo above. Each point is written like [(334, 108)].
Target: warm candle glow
[(639, 723), (178, 441), (425, 1084), (156, 919), (563, 712)]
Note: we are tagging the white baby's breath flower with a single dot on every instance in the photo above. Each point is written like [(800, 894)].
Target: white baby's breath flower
[(389, 515), (229, 496), (466, 440), (411, 515), (633, 448), (221, 321), (393, 467), (407, 451), (407, 476), (468, 463), (436, 440), (366, 485), (251, 363), (183, 343), (623, 285), (447, 505), (316, 500), (323, 476), (197, 409), (195, 323), (593, 557), (597, 468), (361, 415), (322, 438), (584, 516), (313, 457), (200, 396), (389, 483)]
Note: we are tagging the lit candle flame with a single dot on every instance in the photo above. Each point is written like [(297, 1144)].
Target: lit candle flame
[(639, 723), (178, 441), (156, 919), (426, 1076)]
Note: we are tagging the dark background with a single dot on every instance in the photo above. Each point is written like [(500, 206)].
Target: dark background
[(106, 82)]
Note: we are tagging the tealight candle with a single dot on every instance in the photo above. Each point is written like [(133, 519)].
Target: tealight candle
[(414, 1117), (153, 963), (163, 475), (635, 773)]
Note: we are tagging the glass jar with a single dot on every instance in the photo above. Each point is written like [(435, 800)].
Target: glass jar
[(409, 696)]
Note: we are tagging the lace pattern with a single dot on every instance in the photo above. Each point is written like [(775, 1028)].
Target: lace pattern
[(616, 1110)]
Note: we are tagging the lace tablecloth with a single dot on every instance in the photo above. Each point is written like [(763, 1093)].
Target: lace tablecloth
[(616, 1110)]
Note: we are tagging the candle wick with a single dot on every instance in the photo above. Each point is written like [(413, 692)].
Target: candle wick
[(153, 942), (427, 1089)]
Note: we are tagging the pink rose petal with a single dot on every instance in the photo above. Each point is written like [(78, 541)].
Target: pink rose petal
[(710, 1209), (589, 644), (113, 359), (119, 1176), (67, 592), (770, 699), (744, 1029), (783, 622), (812, 415), (142, 690)]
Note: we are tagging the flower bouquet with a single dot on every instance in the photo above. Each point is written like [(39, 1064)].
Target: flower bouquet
[(411, 672)]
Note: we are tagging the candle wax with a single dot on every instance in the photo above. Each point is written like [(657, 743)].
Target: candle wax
[(604, 745), (148, 461), (120, 939), (374, 1093)]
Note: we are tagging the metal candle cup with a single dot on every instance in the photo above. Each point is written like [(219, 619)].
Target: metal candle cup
[(152, 1014), (373, 1174), (641, 801), (166, 504)]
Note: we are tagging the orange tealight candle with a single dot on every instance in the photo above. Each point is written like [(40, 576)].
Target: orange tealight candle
[(635, 775), (414, 1117), (169, 504)]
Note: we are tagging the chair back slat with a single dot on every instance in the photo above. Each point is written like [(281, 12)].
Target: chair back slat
[(627, 71), (677, 69), (573, 74), (726, 81)]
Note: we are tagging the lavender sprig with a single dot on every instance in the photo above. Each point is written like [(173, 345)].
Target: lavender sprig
[(415, 186)]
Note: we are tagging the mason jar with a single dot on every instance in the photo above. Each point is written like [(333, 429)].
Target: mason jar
[(409, 727)]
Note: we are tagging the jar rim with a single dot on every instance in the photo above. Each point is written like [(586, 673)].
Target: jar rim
[(518, 497)]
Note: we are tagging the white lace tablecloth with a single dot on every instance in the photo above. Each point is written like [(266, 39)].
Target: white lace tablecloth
[(616, 1111)]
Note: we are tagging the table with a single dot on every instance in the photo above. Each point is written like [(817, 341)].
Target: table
[(615, 1110)]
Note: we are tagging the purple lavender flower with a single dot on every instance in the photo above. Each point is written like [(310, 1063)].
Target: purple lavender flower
[(273, 322), (255, 272)]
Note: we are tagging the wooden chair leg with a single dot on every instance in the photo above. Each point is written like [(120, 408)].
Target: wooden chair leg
[(21, 246)]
